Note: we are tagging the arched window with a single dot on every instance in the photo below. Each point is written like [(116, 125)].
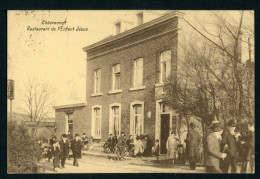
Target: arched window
[(115, 119), (97, 81), (138, 72), (137, 118), (96, 121), (165, 65), (116, 77)]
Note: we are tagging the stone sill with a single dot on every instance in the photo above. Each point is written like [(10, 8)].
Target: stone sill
[(96, 94), (136, 88), (159, 84), (115, 91)]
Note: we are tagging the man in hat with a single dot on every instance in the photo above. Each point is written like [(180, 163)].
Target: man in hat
[(84, 140), (193, 141), (76, 147), (64, 149), (228, 145), (214, 155), (121, 146)]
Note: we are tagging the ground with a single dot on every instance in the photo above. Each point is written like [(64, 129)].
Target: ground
[(94, 164)]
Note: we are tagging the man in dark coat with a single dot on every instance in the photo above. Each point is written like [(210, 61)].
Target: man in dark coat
[(213, 154), (76, 147), (193, 141), (121, 142), (64, 149), (228, 145), (248, 143), (113, 143)]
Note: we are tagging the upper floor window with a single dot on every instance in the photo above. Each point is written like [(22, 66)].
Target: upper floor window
[(97, 79), (138, 72), (116, 77), (165, 65)]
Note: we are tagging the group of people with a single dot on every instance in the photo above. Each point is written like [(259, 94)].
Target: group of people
[(59, 150), (141, 146), (226, 146)]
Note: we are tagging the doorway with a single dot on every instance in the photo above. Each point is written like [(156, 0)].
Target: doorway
[(165, 123)]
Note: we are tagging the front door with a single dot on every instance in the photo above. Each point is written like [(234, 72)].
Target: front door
[(165, 124)]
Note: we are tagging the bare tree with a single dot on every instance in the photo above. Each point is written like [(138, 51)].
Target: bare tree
[(230, 31), (37, 99)]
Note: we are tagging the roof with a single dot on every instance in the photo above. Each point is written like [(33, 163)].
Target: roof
[(70, 106), (134, 30)]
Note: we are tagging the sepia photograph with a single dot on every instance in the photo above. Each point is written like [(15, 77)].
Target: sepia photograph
[(130, 91)]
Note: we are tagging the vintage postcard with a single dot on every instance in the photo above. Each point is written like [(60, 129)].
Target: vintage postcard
[(131, 91)]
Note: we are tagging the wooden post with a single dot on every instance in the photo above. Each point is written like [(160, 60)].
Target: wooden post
[(11, 110)]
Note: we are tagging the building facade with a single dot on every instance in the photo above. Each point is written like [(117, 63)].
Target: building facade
[(125, 77)]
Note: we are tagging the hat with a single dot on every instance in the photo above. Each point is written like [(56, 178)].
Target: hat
[(232, 123), (216, 127), (84, 133), (192, 125), (76, 135), (64, 135)]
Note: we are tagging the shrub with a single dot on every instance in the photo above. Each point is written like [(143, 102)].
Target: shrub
[(23, 151)]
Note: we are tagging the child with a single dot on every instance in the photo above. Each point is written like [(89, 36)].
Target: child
[(156, 149), (56, 154)]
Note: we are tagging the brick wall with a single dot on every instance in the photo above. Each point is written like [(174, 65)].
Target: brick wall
[(149, 50), (79, 121)]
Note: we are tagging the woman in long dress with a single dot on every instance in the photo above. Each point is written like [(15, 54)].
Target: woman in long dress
[(138, 147), (171, 147)]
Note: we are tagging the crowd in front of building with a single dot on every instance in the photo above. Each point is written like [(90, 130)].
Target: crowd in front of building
[(225, 148)]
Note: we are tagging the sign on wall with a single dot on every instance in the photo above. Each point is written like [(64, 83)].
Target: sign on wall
[(10, 89)]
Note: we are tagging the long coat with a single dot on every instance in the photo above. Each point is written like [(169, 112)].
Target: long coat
[(55, 151), (229, 139), (76, 147), (213, 154), (64, 149), (193, 141)]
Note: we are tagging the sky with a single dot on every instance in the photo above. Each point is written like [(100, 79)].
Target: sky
[(56, 57)]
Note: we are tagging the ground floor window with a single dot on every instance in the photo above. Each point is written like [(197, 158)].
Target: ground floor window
[(96, 121), (137, 118), (115, 119)]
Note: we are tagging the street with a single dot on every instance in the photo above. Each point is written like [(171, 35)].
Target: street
[(92, 164)]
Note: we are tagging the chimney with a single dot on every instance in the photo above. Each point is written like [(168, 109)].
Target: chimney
[(140, 17), (118, 26)]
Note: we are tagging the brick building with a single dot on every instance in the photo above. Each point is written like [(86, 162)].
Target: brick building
[(125, 78)]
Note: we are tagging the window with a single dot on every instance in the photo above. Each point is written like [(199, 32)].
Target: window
[(138, 72), (165, 65), (115, 119), (69, 123), (116, 77), (96, 122), (97, 79), (137, 118)]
